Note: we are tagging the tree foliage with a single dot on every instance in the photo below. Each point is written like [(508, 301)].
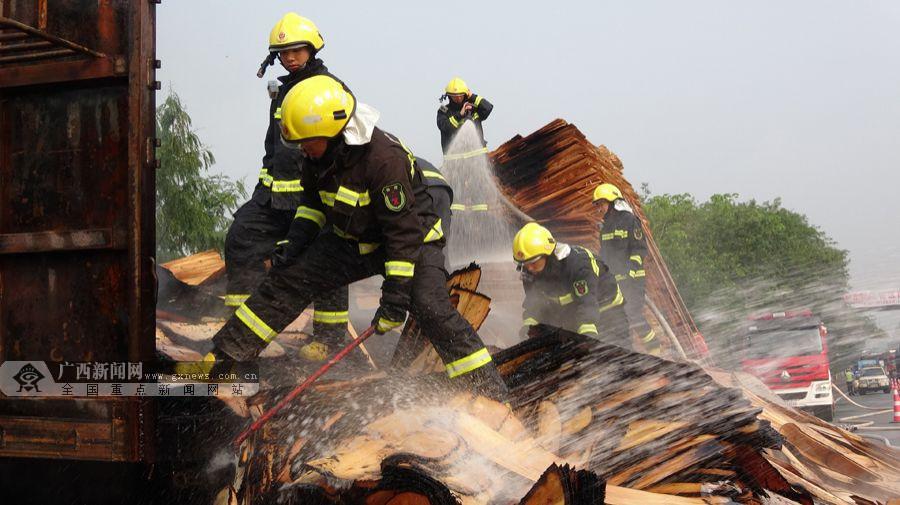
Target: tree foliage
[(731, 259), (193, 207)]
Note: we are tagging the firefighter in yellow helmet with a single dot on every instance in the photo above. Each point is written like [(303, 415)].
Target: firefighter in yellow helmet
[(258, 235), (462, 105), (623, 248), (364, 211), (566, 287)]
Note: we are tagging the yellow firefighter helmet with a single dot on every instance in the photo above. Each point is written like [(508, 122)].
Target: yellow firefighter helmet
[(532, 242), (294, 30), (456, 86), (316, 107), (608, 192)]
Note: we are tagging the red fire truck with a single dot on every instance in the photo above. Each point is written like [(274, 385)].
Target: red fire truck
[(788, 351)]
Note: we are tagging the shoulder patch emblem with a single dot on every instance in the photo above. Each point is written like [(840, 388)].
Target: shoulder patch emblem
[(394, 197), (581, 287), (639, 233)]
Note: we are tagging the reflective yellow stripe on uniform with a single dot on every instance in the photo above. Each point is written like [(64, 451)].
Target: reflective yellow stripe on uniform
[(385, 325), (235, 300), (364, 247), (399, 268), (482, 207), (352, 198), (331, 317), (435, 233), (637, 259), (594, 266), (649, 336), (465, 365), (615, 303), (635, 274), (614, 234), (327, 198), (411, 157), (475, 116), (566, 299), (278, 113), (316, 216), (256, 325), (529, 321), (265, 178), (477, 101), (292, 186), (341, 233), (454, 122), (587, 328), (433, 175), (368, 247), (620, 277), (468, 154), (282, 242)]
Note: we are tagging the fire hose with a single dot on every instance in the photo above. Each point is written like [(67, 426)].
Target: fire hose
[(853, 402), (263, 419), (852, 426)]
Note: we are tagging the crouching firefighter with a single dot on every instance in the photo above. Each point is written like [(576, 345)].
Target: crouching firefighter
[(622, 248), (565, 287), (257, 235), (364, 211)]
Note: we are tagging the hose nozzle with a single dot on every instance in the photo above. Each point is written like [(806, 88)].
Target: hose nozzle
[(270, 60)]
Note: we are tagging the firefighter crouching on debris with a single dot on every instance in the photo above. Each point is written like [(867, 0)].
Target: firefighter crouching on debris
[(364, 211), (623, 249), (566, 287), (463, 105), (258, 232)]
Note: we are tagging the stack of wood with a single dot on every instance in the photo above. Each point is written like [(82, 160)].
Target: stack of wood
[(550, 176), (590, 423), (191, 287), (833, 465)]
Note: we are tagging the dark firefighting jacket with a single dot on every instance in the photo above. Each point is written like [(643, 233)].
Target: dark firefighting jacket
[(571, 292), (375, 196), (279, 178), (622, 249), (439, 190), (449, 119)]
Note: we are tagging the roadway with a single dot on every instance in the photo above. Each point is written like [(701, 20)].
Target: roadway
[(880, 418)]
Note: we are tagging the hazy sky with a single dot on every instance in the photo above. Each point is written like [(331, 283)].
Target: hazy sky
[(794, 99)]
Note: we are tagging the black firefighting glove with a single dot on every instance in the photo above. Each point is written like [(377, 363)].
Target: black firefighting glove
[(391, 311), (286, 251)]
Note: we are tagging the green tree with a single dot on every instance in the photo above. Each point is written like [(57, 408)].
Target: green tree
[(731, 259), (193, 207)]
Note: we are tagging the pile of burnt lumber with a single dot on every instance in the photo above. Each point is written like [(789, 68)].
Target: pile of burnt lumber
[(831, 463), (589, 423), (550, 176)]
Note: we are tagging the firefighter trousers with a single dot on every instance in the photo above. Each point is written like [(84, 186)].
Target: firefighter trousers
[(633, 289), (250, 241), (332, 262)]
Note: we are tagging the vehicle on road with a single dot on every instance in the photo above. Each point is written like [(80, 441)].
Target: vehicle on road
[(873, 378), (788, 351)]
